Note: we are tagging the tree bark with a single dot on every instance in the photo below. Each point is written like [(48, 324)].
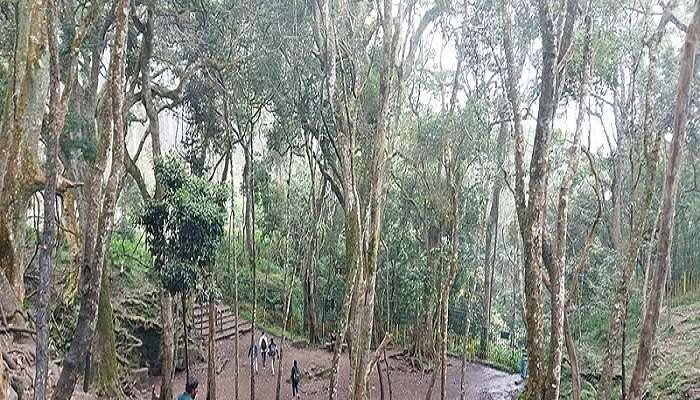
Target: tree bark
[(467, 327), (92, 269), (287, 289), (167, 346), (531, 215), (250, 238), (24, 106), (185, 334), (316, 204), (49, 235), (557, 272), (573, 361), (453, 181), (668, 210), (211, 339), (105, 369), (424, 345)]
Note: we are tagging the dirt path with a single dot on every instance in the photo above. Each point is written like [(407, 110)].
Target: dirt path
[(406, 384)]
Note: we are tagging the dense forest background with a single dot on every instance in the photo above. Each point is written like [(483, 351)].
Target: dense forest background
[(477, 178)]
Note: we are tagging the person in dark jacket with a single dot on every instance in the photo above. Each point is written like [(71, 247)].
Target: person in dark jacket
[(296, 378), (272, 352)]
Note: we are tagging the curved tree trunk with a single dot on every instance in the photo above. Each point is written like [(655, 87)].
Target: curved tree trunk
[(668, 210)]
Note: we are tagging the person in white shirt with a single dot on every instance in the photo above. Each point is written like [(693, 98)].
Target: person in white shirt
[(262, 344)]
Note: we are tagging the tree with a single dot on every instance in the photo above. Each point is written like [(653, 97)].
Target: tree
[(183, 233), (102, 205), (668, 208), (644, 196), (556, 40), (357, 312), (58, 107)]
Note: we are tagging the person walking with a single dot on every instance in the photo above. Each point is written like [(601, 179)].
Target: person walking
[(263, 347), (253, 354), (296, 378), (273, 351), (190, 390)]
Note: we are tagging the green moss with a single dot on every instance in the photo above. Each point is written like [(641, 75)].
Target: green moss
[(106, 369)]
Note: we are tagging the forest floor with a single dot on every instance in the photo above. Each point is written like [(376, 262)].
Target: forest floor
[(483, 383), (676, 369)]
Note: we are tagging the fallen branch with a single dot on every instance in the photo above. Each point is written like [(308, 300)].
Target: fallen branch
[(378, 352)]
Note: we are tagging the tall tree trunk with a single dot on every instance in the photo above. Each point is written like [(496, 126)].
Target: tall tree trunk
[(92, 269), (316, 205), (185, 334), (557, 271), (491, 239), (287, 289), (467, 327), (49, 235), (232, 249), (531, 215), (424, 345), (250, 238), (166, 303), (652, 143), (105, 369), (573, 361), (25, 102), (453, 181), (211, 339), (668, 210), (167, 346)]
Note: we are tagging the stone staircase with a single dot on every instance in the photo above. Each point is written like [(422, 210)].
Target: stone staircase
[(225, 323)]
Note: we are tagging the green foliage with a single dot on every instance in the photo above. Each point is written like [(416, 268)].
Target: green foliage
[(183, 231)]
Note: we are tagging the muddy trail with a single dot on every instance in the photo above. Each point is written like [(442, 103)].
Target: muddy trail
[(483, 383)]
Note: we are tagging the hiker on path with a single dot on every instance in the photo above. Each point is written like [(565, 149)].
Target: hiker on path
[(253, 354), (190, 390), (263, 347), (273, 352), (296, 378)]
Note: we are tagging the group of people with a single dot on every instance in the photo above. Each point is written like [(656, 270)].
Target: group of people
[(267, 348)]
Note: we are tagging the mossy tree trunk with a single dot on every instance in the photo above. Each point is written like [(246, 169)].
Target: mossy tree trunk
[(24, 106), (105, 369), (101, 205)]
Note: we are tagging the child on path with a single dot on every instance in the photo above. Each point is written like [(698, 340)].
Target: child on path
[(296, 378), (253, 354)]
